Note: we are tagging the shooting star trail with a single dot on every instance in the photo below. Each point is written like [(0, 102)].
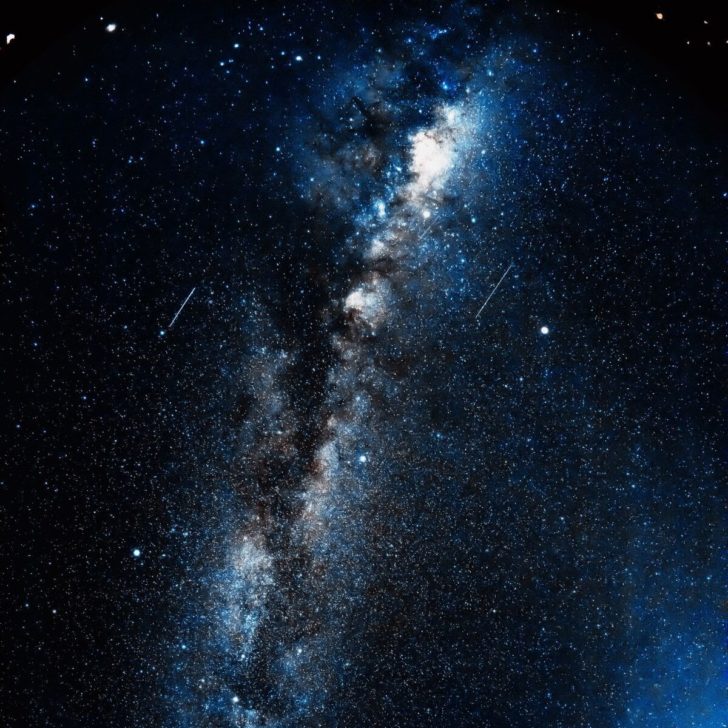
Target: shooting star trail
[(184, 303), (492, 293)]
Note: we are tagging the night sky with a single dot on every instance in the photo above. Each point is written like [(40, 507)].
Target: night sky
[(364, 365)]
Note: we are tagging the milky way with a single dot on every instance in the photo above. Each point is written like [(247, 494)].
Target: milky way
[(437, 439)]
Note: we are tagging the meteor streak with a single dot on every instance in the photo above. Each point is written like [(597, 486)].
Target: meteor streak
[(493, 291), (184, 303)]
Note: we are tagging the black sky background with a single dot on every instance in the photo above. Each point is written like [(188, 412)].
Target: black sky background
[(687, 50)]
